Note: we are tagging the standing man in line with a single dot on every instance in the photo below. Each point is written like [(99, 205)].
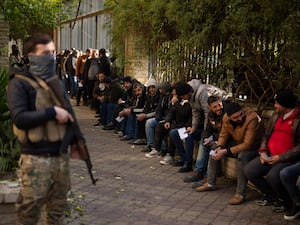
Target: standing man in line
[(80, 65), (40, 126)]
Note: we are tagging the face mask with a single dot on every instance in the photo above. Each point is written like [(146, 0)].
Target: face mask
[(42, 66)]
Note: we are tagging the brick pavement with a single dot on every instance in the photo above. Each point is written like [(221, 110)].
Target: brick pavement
[(134, 190)]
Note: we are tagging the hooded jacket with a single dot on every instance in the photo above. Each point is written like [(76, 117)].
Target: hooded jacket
[(151, 100), (199, 101)]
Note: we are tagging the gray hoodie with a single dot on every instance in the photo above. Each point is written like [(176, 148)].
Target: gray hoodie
[(199, 100)]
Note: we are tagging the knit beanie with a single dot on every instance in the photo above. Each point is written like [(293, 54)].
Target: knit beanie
[(182, 88), (127, 79), (232, 108), (106, 80), (286, 98), (166, 86)]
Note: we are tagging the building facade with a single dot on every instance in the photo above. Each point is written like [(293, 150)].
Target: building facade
[(4, 38), (90, 28)]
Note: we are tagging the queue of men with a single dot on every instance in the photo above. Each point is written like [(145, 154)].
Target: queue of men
[(169, 119), (268, 157)]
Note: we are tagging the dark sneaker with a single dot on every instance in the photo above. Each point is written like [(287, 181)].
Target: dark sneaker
[(178, 163), (97, 124), (200, 183), (131, 142), (147, 148), (109, 127), (140, 142), (264, 201), (279, 206), (126, 138), (293, 213), (185, 169), (197, 176)]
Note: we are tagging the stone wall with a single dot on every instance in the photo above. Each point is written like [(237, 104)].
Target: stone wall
[(136, 60), (4, 34)]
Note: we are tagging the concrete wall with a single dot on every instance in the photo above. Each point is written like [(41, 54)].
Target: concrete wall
[(4, 38), (136, 60)]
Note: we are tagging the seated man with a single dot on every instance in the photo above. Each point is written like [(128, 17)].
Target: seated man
[(113, 92), (282, 135), (289, 176), (137, 106), (180, 116), (199, 102), (152, 98), (155, 133), (210, 138), (240, 134)]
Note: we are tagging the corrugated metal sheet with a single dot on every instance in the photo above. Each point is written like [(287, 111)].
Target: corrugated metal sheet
[(88, 29)]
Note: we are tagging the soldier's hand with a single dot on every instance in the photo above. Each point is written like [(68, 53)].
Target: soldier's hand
[(62, 115)]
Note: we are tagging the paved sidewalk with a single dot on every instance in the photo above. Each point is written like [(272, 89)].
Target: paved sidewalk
[(134, 190)]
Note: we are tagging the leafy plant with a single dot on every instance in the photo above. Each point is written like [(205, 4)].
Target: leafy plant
[(9, 147), (250, 45), (26, 17)]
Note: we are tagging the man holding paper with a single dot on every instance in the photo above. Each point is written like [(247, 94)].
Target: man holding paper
[(210, 138), (279, 148), (178, 119), (239, 137)]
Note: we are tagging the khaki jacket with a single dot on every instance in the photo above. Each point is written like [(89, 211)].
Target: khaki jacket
[(246, 136)]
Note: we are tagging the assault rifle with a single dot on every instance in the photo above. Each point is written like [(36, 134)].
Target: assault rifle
[(73, 133)]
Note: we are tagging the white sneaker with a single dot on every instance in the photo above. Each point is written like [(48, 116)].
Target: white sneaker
[(167, 160), (152, 154)]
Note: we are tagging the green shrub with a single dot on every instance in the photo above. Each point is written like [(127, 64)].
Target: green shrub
[(9, 147)]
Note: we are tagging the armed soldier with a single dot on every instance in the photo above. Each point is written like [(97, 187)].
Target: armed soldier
[(40, 124)]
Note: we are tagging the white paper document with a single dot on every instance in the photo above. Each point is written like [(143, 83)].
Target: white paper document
[(209, 139), (265, 156), (182, 133), (119, 119), (212, 152)]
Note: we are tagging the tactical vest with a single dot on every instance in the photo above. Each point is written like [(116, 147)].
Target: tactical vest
[(51, 131)]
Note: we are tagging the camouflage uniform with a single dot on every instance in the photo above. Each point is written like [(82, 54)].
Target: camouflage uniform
[(38, 176), (44, 164)]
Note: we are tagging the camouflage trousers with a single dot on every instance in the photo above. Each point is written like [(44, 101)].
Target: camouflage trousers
[(45, 182)]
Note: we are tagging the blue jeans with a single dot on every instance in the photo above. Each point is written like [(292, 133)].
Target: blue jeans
[(289, 176), (189, 145), (175, 138), (111, 108), (186, 154), (202, 158), (131, 125), (150, 130), (73, 81)]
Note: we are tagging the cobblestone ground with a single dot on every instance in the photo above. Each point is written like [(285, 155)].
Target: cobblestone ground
[(134, 190)]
